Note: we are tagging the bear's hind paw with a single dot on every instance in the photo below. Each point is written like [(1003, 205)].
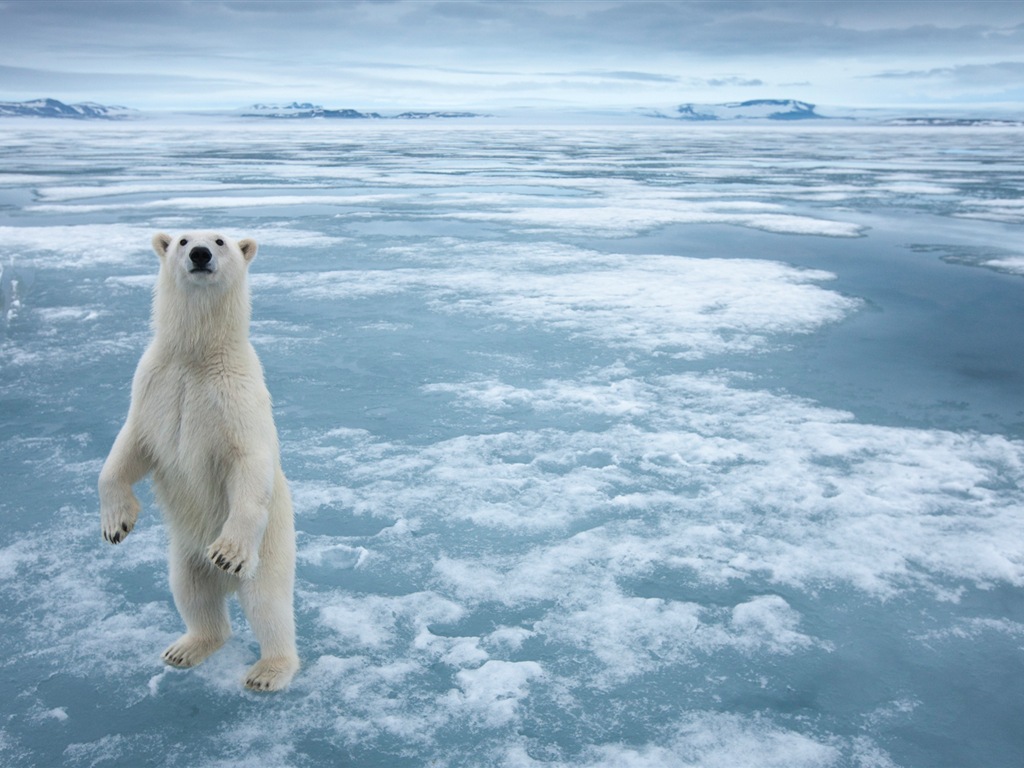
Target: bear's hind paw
[(188, 651), (271, 674)]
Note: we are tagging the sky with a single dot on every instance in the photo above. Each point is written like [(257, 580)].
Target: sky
[(395, 55)]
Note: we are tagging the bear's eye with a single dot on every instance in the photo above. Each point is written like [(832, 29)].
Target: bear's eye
[(183, 241), (220, 242)]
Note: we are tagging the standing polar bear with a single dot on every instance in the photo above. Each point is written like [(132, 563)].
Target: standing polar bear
[(200, 420)]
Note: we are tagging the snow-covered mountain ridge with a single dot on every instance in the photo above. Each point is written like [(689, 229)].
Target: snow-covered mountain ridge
[(302, 110), (53, 108), (756, 109), (306, 110)]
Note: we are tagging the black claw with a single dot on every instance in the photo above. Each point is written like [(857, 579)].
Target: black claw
[(238, 568), (116, 538), (124, 527)]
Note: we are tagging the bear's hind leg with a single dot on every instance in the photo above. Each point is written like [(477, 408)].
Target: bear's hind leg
[(268, 606), (200, 593)]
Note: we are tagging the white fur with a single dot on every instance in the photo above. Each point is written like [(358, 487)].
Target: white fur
[(200, 420)]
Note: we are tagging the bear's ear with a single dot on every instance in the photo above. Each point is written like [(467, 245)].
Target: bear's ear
[(248, 248), (161, 243)]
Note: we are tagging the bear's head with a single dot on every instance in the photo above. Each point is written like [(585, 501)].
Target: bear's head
[(205, 259)]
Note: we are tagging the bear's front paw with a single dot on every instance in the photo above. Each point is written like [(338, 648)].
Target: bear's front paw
[(231, 557), (118, 518)]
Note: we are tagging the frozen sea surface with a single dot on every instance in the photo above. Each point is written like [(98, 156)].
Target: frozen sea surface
[(624, 446)]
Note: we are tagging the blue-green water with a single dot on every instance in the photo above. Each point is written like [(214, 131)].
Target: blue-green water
[(623, 446)]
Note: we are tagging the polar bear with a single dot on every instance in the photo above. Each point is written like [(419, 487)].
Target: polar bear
[(200, 420)]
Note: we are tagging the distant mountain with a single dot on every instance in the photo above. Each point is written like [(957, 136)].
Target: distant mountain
[(757, 109), (295, 110), (435, 115), (790, 110), (303, 111), (945, 122), (54, 108)]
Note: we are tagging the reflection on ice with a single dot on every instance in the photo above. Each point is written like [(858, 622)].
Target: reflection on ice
[(549, 511)]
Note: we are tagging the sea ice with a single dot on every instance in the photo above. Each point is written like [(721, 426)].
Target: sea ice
[(571, 486)]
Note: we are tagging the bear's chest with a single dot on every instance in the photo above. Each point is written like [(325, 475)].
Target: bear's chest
[(191, 416)]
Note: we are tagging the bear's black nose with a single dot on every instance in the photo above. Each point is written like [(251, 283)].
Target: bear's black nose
[(200, 256)]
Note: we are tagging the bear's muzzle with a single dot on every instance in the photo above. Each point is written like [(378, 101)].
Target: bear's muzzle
[(200, 257)]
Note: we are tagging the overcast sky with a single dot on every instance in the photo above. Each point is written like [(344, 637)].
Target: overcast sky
[(495, 54)]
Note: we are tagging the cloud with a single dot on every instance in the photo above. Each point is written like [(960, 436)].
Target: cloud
[(529, 30), (740, 81), (25, 79), (1000, 81), (649, 77), (976, 74), (465, 52)]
